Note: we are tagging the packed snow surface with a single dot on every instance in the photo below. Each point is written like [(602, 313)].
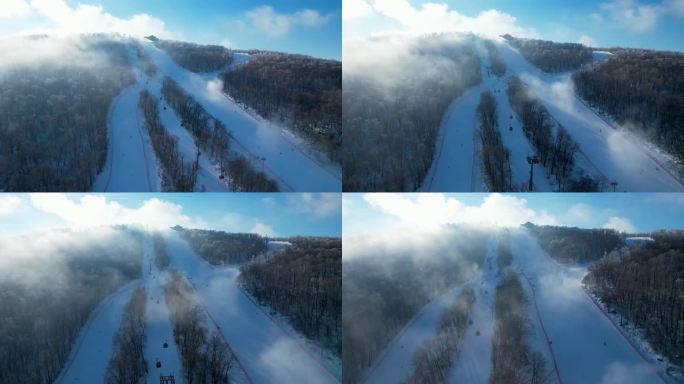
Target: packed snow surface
[(608, 152)]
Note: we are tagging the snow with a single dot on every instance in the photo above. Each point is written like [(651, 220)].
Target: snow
[(274, 245), (87, 362), (598, 56), (131, 164), (158, 326), (587, 346), (608, 152), (265, 350), (287, 159), (636, 241)]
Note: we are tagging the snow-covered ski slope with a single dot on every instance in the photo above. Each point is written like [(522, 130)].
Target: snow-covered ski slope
[(607, 152), (578, 341), (268, 352), (286, 158), (131, 164)]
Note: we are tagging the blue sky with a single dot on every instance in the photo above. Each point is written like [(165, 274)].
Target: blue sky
[(630, 212), (272, 214), (311, 27), (655, 24)]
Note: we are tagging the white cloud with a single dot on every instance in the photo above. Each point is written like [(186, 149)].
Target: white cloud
[(263, 230), (275, 24), (226, 43), (9, 204), (317, 204), (14, 8), (430, 17), (435, 210), (632, 14), (86, 18), (579, 213), (95, 210), (620, 224), (587, 41), (676, 6)]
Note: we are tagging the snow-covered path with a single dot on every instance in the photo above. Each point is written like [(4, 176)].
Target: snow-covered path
[(587, 347), (606, 153), (90, 354), (131, 164), (286, 158), (267, 353), (473, 363), (158, 326)]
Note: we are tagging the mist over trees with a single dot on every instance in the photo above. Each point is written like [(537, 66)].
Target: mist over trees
[(53, 124), (177, 175), (303, 283), (644, 287), (552, 57), (219, 248), (195, 57), (643, 91), (161, 254), (433, 360), (49, 286), (205, 357), (391, 122), (128, 364), (213, 137), (383, 290), (495, 157), (553, 145), (302, 92), (497, 64), (575, 245)]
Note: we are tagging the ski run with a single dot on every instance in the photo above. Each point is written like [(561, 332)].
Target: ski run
[(580, 343), (266, 349), (131, 163), (607, 152)]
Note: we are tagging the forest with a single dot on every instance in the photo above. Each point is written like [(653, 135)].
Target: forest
[(496, 62), (552, 57), (195, 57), (643, 91), (213, 137), (643, 286), (128, 364), (161, 254), (495, 156), (53, 128), (303, 283), (553, 145), (178, 175), (383, 291), (302, 92), (433, 360), (206, 358), (571, 245), (220, 248), (56, 281), (391, 122)]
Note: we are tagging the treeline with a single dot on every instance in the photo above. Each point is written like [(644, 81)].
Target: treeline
[(513, 360), (643, 90), (218, 247), (303, 92), (128, 364), (213, 137), (53, 125), (383, 291), (195, 57), (552, 57), (644, 286), (178, 175), (161, 254), (433, 360), (303, 283), (146, 63), (495, 157), (391, 122), (496, 63), (55, 283), (575, 245), (205, 358), (554, 146)]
